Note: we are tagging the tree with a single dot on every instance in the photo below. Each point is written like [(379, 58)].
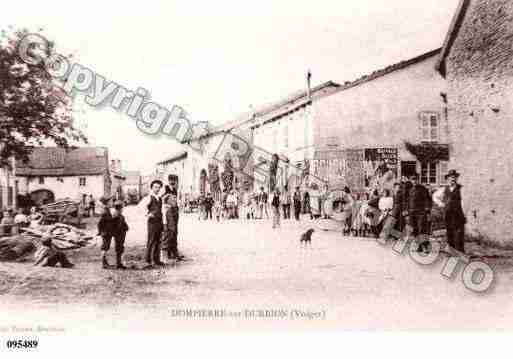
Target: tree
[(33, 108)]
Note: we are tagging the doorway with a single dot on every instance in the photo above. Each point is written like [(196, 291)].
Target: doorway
[(408, 168)]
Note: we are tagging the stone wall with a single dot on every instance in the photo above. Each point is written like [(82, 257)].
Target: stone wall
[(480, 111)]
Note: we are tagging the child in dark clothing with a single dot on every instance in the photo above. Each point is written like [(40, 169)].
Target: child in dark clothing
[(119, 229), (105, 230)]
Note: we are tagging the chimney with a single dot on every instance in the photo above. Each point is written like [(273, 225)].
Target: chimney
[(308, 85)]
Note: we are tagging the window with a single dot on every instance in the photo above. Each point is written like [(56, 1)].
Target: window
[(429, 126), (443, 171), (428, 172), (82, 181), (41, 180)]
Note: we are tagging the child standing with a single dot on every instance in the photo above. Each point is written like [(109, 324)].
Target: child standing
[(105, 230), (119, 229)]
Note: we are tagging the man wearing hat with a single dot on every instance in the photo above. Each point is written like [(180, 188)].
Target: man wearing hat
[(418, 210), (152, 204), (455, 219)]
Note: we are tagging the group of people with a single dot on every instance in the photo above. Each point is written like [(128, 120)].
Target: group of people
[(23, 217), (236, 204), (162, 213), (412, 210), (408, 210)]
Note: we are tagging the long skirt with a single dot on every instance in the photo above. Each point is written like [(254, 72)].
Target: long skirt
[(276, 217)]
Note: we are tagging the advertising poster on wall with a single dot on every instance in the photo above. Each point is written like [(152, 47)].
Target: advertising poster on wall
[(340, 168)]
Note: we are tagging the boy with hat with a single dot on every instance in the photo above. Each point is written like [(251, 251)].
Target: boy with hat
[(450, 200), (119, 229), (105, 230)]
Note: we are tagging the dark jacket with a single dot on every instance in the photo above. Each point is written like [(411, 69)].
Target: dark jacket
[(209, 203), (419, 200), (119, 225), (399, 202), (105, 224), (453, 207), (155, 208), (297, 199), (262, 197), (306, 202), (276, 201)]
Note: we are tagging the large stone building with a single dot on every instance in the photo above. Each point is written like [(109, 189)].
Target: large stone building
[(54, 173), (477, 61), (199, 153), (286, 127), (397, 114), (177, 164)]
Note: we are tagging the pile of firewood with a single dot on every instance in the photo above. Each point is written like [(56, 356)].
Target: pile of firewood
[(16, 248), (64, 237)]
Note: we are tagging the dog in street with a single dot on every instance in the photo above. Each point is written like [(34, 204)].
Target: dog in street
[(307, 237)]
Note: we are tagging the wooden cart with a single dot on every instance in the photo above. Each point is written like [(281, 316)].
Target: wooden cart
[(63, 211)]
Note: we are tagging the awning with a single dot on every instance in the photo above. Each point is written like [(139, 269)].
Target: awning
[(427, 152)]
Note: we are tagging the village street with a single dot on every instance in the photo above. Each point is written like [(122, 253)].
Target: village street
[(235, 266)]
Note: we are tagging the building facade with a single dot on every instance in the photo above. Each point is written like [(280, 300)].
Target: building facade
[(286, 128), (54, 173), (117, 179), (477, 62), (132, 186), (397, 114)]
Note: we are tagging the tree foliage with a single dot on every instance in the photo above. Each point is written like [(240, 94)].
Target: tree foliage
[(34, 110)]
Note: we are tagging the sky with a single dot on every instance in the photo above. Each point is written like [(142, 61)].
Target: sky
[(217, 59)]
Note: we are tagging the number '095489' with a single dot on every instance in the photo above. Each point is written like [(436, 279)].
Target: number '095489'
[(21, 344)]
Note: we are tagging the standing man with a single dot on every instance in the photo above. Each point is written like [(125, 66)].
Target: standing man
[(450, 200), (297, 203), (285, 202), (152, 204), (262, 203), (170, 219), (419, 208), (209, 203), (398, 209)]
